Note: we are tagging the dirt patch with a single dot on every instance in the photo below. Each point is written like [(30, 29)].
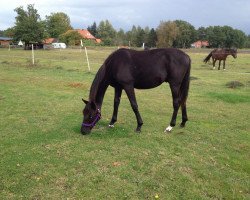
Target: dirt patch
[(78, 85), (75, 85)]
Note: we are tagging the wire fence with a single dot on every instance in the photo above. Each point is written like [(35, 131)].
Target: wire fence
[(89, 59), (78, 57), (55, 60)]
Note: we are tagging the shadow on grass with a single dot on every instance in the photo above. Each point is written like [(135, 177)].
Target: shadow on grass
[(193, 78), (101, 130)]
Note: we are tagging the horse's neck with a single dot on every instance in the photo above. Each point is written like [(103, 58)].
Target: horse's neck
[(98, 88)]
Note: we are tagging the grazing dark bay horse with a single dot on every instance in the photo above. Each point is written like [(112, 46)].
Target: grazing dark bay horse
[(127, 69), (220, 54)]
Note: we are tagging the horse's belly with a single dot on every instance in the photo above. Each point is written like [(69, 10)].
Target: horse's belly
[(149, 83)]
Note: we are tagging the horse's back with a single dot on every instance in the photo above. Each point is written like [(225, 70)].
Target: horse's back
[(219, 54), (148, 69)]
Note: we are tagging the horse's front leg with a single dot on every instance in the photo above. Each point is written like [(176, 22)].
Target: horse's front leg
[(214, 61), (117, 99), (132, 99)]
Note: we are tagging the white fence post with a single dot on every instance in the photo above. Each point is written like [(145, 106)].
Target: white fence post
[(32, 54), (87, 57), (81, 46)]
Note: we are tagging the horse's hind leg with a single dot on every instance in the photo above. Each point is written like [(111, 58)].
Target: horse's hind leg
[(131, 96), (117, 98), (184, 114), (219, 64), (176, 105), (224, 64)]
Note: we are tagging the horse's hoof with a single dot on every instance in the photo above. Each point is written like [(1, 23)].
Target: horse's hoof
[(168, 129), (111, 126), (182, 125), (138, 130)]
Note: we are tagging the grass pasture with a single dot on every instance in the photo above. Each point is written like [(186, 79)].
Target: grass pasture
[(44, 156)]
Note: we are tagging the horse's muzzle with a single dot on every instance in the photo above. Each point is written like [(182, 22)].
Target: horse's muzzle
[(85, 130)]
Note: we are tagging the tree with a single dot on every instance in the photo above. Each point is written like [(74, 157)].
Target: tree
[(247, 43), (233, 37), (186, 36), (140, 37), (93, 29), (121, 38), (28, 26), (71, 38), (215, 36), (225, 37), (106, 33), (201, 33), (137, 36), (152, 38), (10, 32), (131, 35), (57, 24), (166, 32)]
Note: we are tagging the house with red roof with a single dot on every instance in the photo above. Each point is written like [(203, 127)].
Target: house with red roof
[(5, 41), (86, 35), (50, 40), (200, 44)]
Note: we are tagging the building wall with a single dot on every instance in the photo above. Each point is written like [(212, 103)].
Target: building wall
[(4, 43)]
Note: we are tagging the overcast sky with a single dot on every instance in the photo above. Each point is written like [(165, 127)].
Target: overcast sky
[(125, 13)]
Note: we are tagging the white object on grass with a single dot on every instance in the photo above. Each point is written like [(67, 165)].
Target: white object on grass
[(168, 129)]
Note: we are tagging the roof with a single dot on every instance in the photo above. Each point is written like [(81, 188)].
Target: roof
[(98, 40), (6, 38), (50, 40), (201, 43), (85, 34)]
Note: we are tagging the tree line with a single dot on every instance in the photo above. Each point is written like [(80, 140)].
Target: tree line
[(29, 27)]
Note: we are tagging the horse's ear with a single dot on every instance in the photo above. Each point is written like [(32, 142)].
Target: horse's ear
[(93, 106), (85, 101)]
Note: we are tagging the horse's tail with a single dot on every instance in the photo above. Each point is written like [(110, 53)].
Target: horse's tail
[(185, 85), (208, 57)]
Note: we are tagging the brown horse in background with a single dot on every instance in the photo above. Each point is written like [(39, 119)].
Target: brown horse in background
[(220, 54)]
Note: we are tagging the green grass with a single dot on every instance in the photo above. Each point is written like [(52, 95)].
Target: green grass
[(44, 156)]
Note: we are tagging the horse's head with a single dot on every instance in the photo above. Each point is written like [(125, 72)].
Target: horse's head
[(91, 115), (234, 53)]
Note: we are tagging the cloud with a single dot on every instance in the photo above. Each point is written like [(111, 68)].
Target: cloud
[(125, 13)]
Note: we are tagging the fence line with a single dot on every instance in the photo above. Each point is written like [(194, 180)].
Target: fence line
[(33, 58), (40, 58)]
